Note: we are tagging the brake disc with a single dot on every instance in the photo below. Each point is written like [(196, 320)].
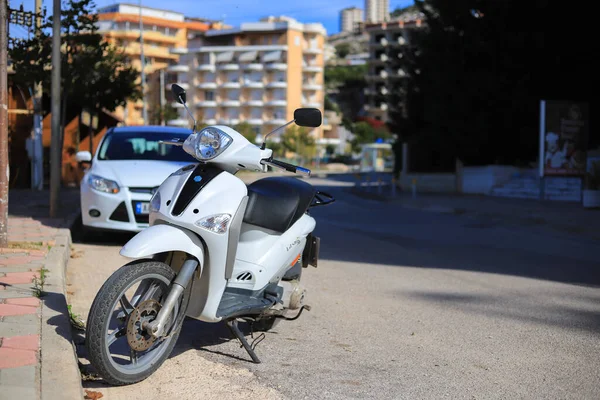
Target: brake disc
[(137, 337)]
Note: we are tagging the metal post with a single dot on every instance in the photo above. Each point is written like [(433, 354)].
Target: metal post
[(542, 145), (37, 161), (162, 96), (55, 145), (4, 171), (143, 74)]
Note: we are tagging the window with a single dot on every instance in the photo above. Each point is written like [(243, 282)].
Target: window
[(209, 95), (142, 145)]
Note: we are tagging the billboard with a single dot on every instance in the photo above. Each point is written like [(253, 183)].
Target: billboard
[(564, 129)]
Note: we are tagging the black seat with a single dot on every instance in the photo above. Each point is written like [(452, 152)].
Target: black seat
[(276, 203)]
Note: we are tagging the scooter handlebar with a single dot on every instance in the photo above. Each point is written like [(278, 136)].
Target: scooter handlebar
[(285, 166)]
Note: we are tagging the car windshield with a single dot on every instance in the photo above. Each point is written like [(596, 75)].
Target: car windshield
[(142, 145)]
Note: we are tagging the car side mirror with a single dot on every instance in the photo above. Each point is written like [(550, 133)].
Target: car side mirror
[(179, 93), (309, 117), (83, 157)]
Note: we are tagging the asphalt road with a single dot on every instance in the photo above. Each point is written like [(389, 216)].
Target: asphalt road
[(406, 304)]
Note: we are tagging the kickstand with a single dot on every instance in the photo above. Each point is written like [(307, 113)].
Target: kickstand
[(233, 326)]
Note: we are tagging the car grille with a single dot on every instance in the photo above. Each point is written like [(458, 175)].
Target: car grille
[(140, 219), (147, 190), (120, 213)]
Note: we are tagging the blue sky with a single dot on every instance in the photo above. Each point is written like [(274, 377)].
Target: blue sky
[(236, 11)]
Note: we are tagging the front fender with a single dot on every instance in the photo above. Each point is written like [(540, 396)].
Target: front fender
[(163, 238)]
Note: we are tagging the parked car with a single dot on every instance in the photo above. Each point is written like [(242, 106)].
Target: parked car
[(128, 166)]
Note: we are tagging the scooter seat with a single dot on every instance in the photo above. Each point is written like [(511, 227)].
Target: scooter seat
[(276, 203)]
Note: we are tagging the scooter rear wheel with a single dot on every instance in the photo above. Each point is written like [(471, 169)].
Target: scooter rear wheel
[(118, 347)]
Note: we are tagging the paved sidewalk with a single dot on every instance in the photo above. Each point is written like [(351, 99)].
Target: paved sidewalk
[(36, 358)]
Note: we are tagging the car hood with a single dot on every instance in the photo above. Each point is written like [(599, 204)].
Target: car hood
[(136, 173)]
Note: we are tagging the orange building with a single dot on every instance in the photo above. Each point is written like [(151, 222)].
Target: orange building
[(162, 30)]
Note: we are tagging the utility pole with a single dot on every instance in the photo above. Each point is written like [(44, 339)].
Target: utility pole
[(162, 97), (4, 172), (37, 162), (143, 63), (55, 145)]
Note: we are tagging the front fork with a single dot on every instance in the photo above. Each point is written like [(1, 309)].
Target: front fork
[(156, 327)]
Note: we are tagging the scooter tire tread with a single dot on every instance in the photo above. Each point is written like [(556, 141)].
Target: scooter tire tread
[(101, 308)]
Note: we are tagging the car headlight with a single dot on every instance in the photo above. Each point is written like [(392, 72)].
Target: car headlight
[(102, 184), (207, 144)]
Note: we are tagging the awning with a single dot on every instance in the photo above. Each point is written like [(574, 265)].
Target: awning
[(225, 57), (272, 56), (248, 56)]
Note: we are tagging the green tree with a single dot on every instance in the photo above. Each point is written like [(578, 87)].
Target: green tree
[(163, 114), (365, 133), (95, 75), (298, 140), (342, 50), (246, 130)]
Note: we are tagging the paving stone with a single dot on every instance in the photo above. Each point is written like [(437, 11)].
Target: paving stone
[(7, 310), (12, 278), (11, 293), (19, 377), (12, 358), (19, 268), (27, 301), (25, 342), (31, 319), (10, 392), (17, 328)]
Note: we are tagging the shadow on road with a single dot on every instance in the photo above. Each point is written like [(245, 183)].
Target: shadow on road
[(367, 231)]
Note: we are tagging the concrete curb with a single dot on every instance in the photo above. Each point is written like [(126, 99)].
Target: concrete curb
[(60, 376)]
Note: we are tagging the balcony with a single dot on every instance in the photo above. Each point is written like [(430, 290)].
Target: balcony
[(254, 103), (311, 86), (231, 85), (210, 121), (277, 84), (255, 121), (229, 67), (253, 84), (206, 103), (178, 122), (176, 105), (276, 121), (277, 66), (231, 103), (253, 67), (178, 68), (312, 50), (177, 50), (312, 104), (312, 68), (229, 121), (206, 67), (207, 85), (277, 103)]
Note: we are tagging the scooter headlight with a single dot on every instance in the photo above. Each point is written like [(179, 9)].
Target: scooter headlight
[(215, 223), (207, 144)]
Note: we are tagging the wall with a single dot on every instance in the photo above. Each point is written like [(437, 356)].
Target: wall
[(429, 183), (481, 180)]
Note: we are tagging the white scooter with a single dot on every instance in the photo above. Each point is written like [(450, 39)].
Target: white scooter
[(216, 250)]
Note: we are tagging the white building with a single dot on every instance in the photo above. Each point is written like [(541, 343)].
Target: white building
[(377, 10), (349, 17)]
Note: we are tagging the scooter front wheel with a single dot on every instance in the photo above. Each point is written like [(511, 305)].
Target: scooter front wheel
[(118, 346)]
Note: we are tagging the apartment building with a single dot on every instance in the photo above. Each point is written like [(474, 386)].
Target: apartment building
[(162, 30), (386, 42), (350, 18), (377, 11), (258, 73)]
